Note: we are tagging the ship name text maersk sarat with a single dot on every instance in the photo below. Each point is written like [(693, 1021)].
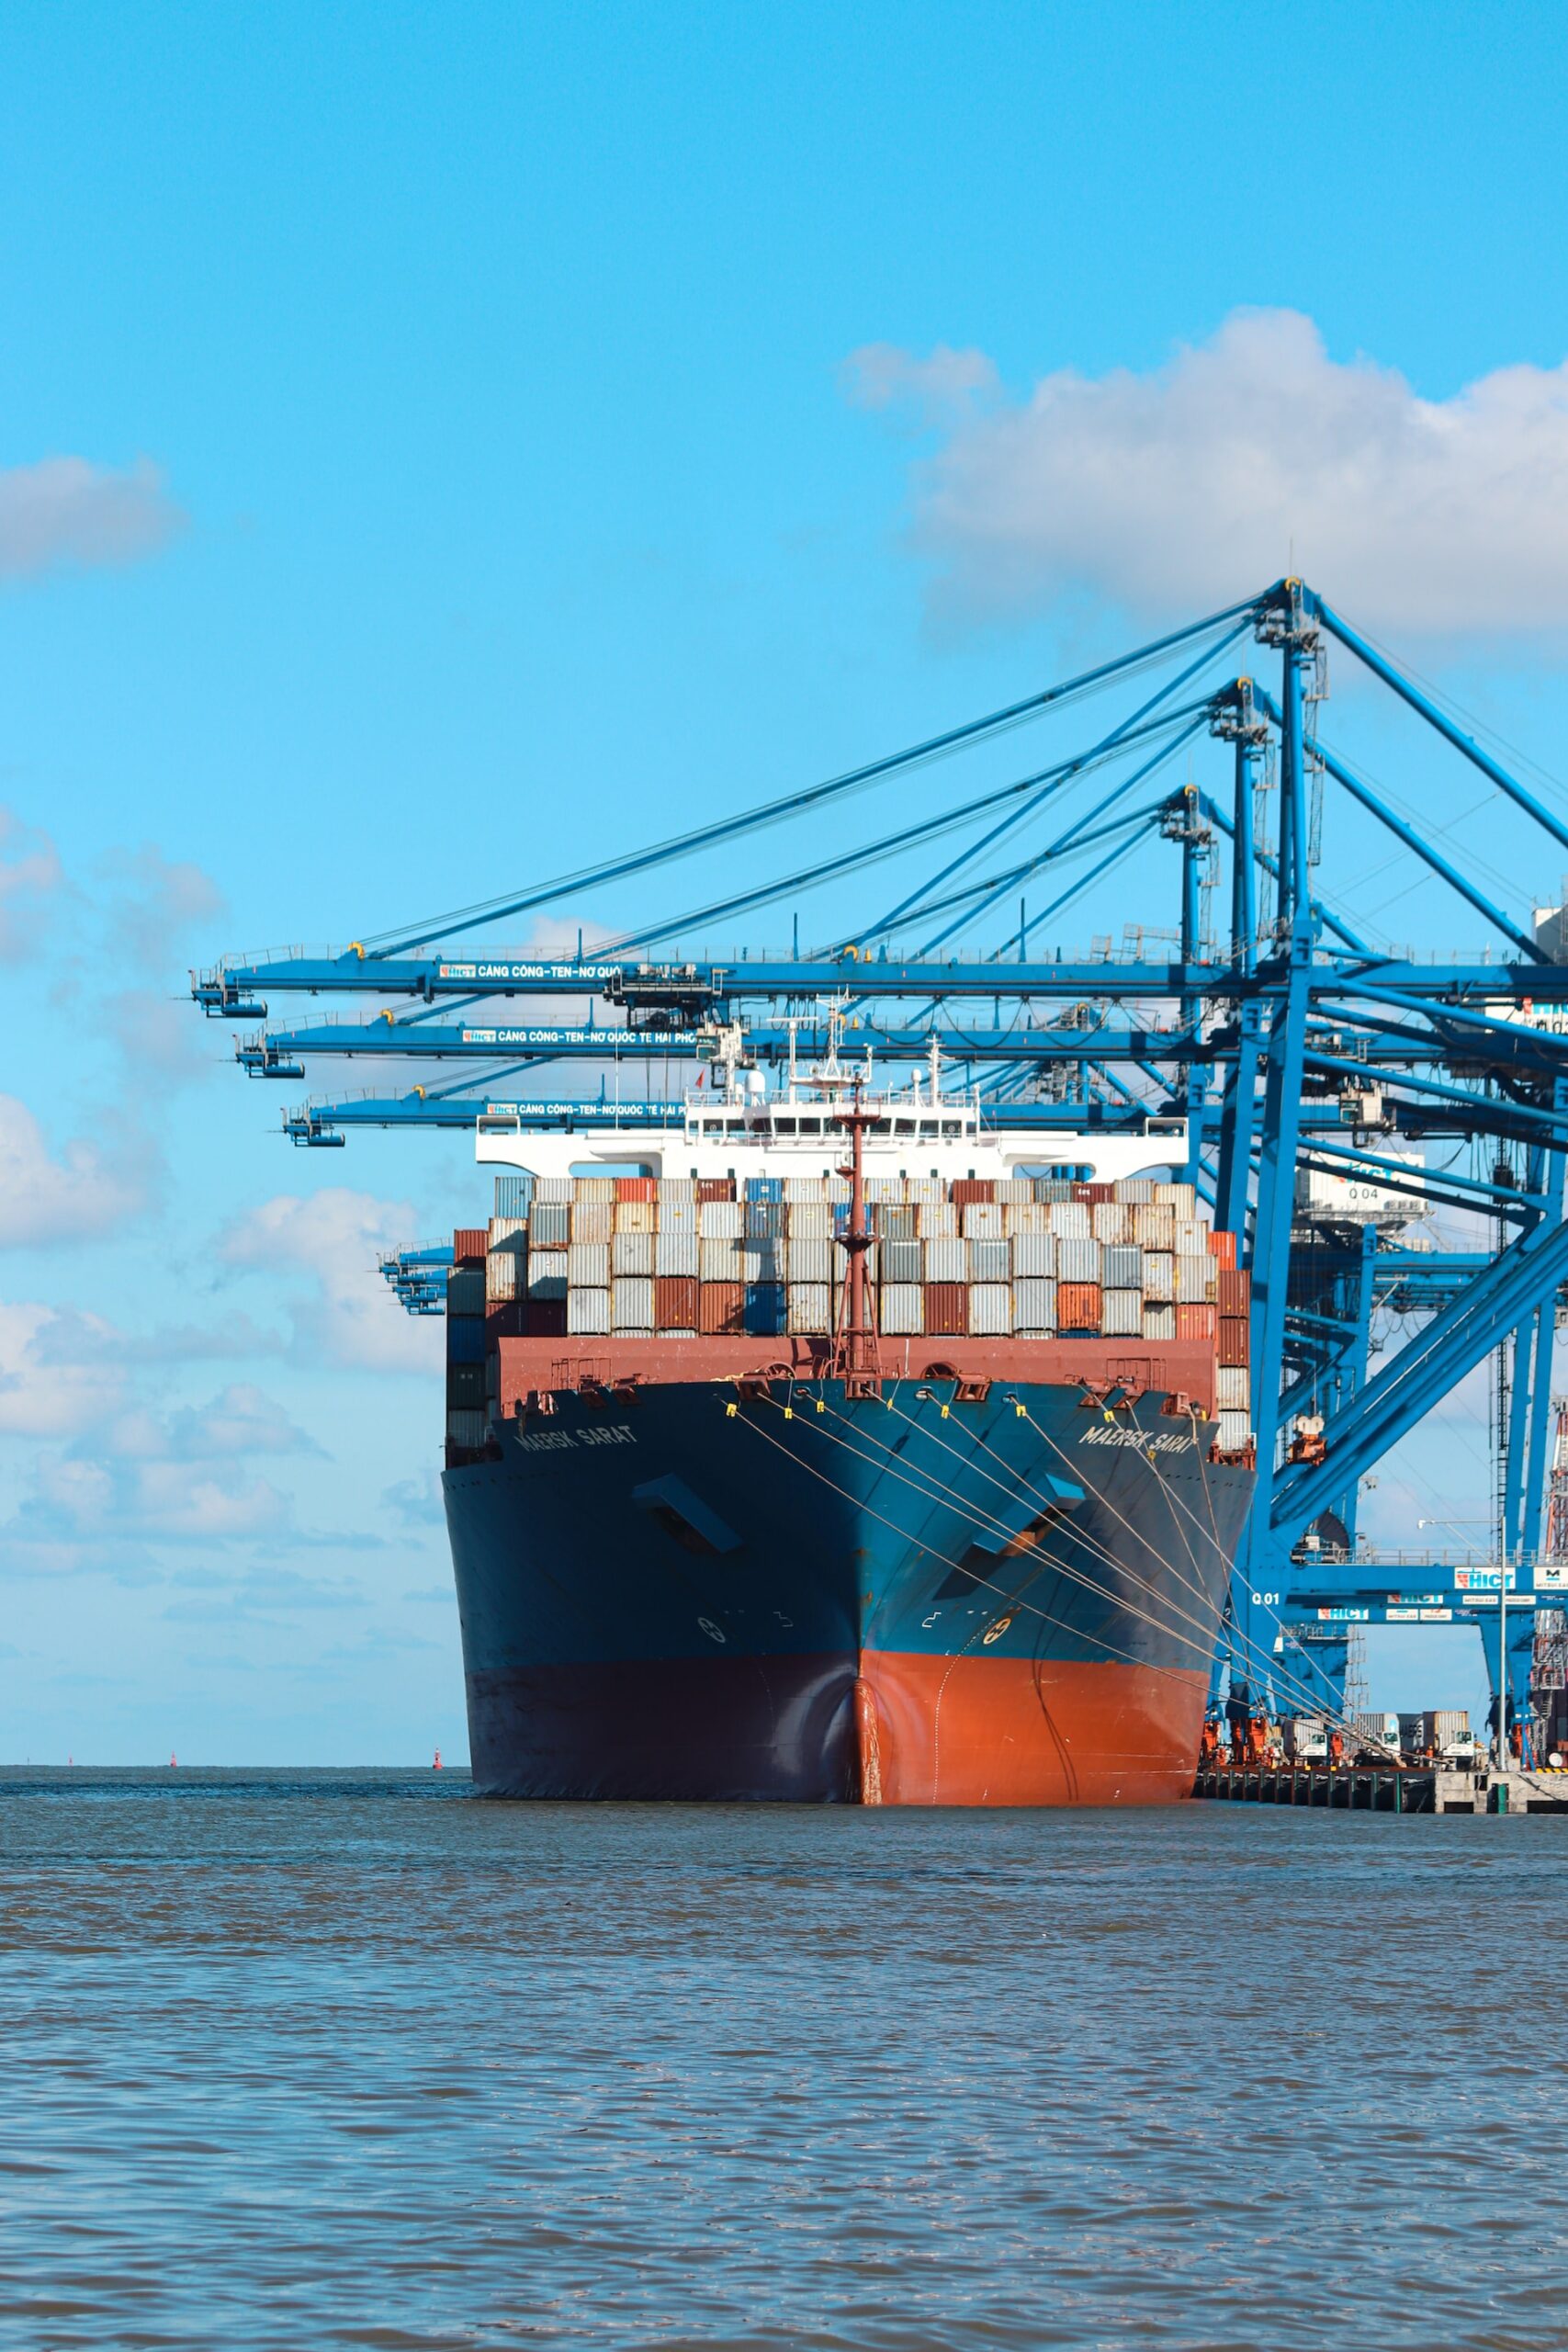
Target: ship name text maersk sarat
[(873, 1466)]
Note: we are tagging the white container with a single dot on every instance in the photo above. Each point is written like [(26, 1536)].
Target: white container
[(1121, 1314), (587, 1267), (718, 1259), (1235, 1432), (903, 1308), (947, 1261), (720, 1220), (990, 1309), (631, 1303), (588, 1310), (675, 1249), (1078, 1260), (982, 1221), (546, 1273), (1232, 1389), (1111, 1221), (1195, 1281), (1070, 1220), (592, 1221), (810, 1306), (1154, 1225), (936, 1220), (1034, 1305), (1159, 1276), (1160, 1321), (1033, 1256), (632, 1253)]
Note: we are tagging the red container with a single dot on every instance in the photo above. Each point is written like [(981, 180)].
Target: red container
[(714, 1188), (947, 1306), (635, 1188), (1222, 1248), (966, 1188), (468, 1245), (544, 1318), (721, 1306), (675, 1301), (1235, 1338), (1079, 1306), (1235, 1292), (1191, 1322)]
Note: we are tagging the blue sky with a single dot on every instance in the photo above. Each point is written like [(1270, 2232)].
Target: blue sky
[(432, 445)]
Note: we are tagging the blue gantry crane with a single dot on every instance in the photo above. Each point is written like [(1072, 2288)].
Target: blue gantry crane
[(1287, 1062)]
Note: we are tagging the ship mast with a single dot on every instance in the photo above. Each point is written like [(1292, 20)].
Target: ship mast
[(855, 1360)]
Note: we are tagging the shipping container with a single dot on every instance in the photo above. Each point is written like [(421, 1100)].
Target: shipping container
[(947, 1306), (546, 1273), (465, 1384), (810, 1306), (1035, 1303), (990, 1309), (1159, 1320), (767, 1309), (465, 1291), (631, 1303), (1194, 1322), (587, 1308), (1077, 1306), (903, 1308), (990, 1261), (721, 1306), (675, 1301), (632, 1253), (549, 1228), (1194, 1280), (903, 1261), (1077, 1261), (947, 1261), (1121, 1314), (1122, 1266), (675, 1249), (588, 1266), (469, 1246), (1235, 1338), (1233, 1432)]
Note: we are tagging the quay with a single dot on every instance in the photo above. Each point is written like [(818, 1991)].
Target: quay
[(1385, 1788)]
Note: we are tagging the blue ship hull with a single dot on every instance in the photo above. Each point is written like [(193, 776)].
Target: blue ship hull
[(903, 1599)]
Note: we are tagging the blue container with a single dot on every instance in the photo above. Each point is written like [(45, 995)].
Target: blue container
[(464, 1338), (766, 1309)]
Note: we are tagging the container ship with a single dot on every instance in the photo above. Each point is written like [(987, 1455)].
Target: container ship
[(840, 1453)]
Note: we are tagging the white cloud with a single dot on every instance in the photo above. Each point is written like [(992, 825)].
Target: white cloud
[(85, 1193), (347, 1315), (31, 878), (64, 513), (1243, 458), (43, 1394)]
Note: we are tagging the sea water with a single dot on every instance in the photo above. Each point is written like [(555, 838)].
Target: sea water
[(310, 2060)]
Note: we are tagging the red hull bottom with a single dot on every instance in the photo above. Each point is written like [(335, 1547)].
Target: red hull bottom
[(907, 1729)]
